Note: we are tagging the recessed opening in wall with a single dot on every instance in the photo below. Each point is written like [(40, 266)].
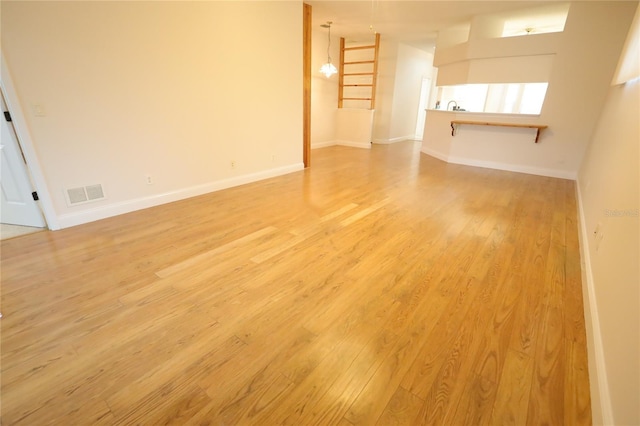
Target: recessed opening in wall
[(547, 19), (507, 98)]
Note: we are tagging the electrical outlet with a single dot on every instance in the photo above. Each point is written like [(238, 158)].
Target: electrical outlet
[(273, 157), (39, 111), (233, 164), (149, 180)]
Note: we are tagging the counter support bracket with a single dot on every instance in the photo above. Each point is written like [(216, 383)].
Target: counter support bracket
[(538, 127)]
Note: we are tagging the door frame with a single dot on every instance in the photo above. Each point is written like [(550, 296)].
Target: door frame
[(423, 103), (26, 144), (306, 84), (18, 204)]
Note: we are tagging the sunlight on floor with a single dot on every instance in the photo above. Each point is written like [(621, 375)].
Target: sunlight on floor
[(9, 231)]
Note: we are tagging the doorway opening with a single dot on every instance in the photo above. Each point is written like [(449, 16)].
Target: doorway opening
[(425, 91), (20, 212)]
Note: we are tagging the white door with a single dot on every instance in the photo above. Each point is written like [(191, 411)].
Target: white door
[(422, 113), (18, 206)]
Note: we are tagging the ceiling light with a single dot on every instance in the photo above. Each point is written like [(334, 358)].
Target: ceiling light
[(328, 69)]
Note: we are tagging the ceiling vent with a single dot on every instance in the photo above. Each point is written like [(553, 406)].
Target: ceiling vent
[(84, 194)]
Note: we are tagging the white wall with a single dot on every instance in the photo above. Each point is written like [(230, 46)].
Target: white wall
[(324, 91), (413, 65), (585, 59), (401, 71), (387, 60), (175, 90), (354, 127), (609, 192), (609, 198)]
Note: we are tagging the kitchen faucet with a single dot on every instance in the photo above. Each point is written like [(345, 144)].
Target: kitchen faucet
[(454, 107)]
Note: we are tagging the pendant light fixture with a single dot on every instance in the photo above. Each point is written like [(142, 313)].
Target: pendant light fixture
[(328, 69)]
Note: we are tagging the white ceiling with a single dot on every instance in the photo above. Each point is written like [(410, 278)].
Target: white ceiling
[(412, 22)]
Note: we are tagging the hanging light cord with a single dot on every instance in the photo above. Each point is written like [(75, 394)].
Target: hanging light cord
[(329, 45), (374, 7), (328, 69)]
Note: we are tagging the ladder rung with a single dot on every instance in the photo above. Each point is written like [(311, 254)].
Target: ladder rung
[(369, 79), (360, 47)]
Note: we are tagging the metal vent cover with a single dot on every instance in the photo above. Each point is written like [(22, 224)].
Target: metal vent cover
[(84, 194), (94, 192)]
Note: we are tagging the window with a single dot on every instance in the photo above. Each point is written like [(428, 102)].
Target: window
[(546, 19), (512, 98)]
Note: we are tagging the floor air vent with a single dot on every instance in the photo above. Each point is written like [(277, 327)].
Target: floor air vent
[(84, 194)]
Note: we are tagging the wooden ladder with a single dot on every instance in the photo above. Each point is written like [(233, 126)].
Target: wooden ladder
[(358, 78)]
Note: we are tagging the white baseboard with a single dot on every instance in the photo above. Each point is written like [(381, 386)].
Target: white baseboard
[(393, 140), (323, 144), (365, 145), (103, 212), (434, 153), (562, 174), (597, 370)]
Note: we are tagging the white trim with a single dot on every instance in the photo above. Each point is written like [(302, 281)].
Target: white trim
[(434, 153), (102, 212), (26, 143), (562, 174), (596, 349), (394, 140), (365, 145), (484, 115), (323, 144)]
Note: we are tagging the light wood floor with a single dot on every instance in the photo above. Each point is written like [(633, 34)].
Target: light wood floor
[(378, 287)]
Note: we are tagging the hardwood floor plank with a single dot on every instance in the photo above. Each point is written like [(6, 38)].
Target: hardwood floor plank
[(66, 409), (365, 321), (211, 254), (243, 374), (427, 365), (38, 363), (389, 376), (259, 394), (187, 366), (401, 409), (327, 409), (380, 286), (442, 390), (572, 299), (370, 403), (577, 398), (548, 373), (101, 372), (338, 212), (21, 346), (574, 327), (279, 248), (530, 315), (512, 396), (174, 404), (491, 355), (363, 213), (474, 407)]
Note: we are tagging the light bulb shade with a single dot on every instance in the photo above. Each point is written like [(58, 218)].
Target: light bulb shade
[(328, 69)]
